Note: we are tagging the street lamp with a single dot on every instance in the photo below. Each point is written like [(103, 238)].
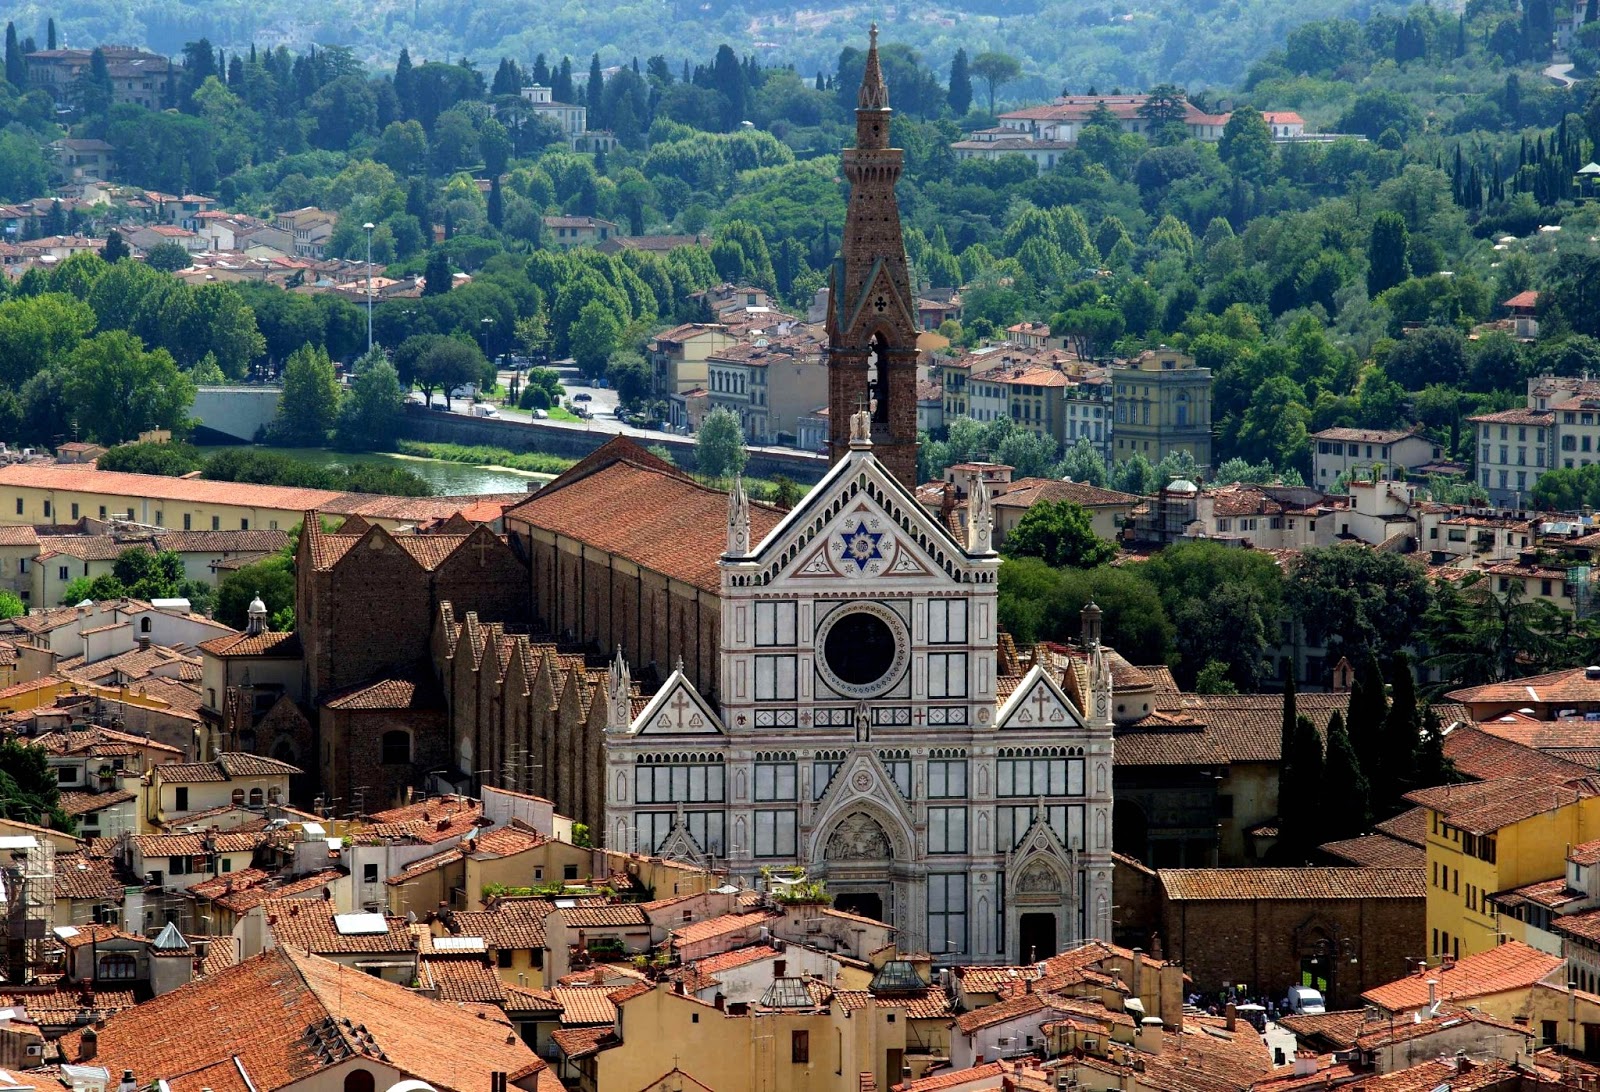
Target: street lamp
[(367, 227)]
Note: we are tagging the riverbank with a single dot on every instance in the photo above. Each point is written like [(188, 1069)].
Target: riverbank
[(536, 464), (447, 477)]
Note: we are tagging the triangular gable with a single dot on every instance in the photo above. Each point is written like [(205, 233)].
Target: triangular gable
[(880, 283), (677, 710), (477, 541), (809, 541), (1039, 703), (863, 784), (680, 844), (377, 537)]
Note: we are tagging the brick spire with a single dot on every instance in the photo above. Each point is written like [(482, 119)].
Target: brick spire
[(872, 331)]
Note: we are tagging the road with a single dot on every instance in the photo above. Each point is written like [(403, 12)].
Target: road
[(602, 403), (1561, 74)]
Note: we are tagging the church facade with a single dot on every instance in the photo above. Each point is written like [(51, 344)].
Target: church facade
[(870, 726)]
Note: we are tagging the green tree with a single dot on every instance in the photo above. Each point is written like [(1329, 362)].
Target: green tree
[(1386, 253), (1246, 144), (116, 247), (170, 460), (309, 404), (272, 580), (436, 275), (1213, 679), (28, 786), (594, 338), (1394, 765), (1367, 709), (960, 93), (11, 606), (119, 390), (995, 70), (167, 257), (1062, 534), (1301, 796), (1355, 600), (719, 450), (1350, 809), (369, 419)]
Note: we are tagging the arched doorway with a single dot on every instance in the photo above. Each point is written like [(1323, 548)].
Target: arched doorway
[(858, 853), (1036, 937)]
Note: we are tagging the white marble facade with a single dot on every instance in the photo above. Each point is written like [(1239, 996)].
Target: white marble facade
[(863, 736)]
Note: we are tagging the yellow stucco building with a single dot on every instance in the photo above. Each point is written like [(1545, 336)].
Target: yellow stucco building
[(1163, 404), (1489, 836)]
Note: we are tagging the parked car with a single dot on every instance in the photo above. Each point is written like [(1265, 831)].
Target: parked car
[(539, 414), (1305, 1001), (582, 397)]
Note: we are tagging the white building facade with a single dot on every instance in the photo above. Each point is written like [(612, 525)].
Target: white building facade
[(866, 737)]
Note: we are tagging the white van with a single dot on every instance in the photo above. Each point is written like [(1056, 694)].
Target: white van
[(483, 409), (1305, 1001)]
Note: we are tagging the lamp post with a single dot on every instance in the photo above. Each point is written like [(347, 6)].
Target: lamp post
[(367, 227)]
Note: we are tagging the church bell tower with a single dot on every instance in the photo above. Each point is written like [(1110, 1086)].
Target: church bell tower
[(872, 330)]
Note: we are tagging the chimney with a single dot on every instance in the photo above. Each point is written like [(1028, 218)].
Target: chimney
[(1137, 972), (1148, 1037), (1233, 1016), (88, 1044), (719, 1002), (127, 1084), (144, 644), (1305, 1063)]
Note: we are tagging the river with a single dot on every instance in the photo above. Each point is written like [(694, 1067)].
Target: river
[(445, 477)]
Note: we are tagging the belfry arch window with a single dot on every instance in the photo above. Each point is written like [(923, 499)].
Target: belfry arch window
[(877, 378)]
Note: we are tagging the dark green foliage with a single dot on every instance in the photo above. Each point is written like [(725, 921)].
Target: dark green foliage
[(28, 789), (1356, 600), (1350, 809), (1039, 603), (1303, 792), (272, 580), (1059, 533), (167, 257), (273, 468), (171, 460), (1386, 253)]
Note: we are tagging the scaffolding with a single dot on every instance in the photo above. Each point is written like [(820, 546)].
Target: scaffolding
[(28, 890)]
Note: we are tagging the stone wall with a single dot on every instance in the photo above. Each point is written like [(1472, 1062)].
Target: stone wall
[(1261, 942), (557, 438), (354, 778)]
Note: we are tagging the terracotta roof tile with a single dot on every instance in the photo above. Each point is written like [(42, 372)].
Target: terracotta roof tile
[(1410, 826), (581, 1042), (286, 1015), (599, 917), (309, 925), (1336, 1029), (1484, 756), (1378, 850), (383, 694), (719, 926), (462, 978), (660, 519), (279, 645), (79, 876), (953, 1078), (1482, 807), (243, 890), (189, 773), (85, 803), (586, 1005), (1315, 884), (1510, 966), (929, 1004), (510, 924), (1026, 492)]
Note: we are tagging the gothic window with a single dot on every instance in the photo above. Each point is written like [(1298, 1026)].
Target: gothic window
[(947, 778), (947, 913), (897, 764), (775, 834), (775, 678), (1041, 777), (1066, 821), (947, 622), (947, 674), (679, 782), (396, 747), (947, 830), (776, 781), (775, 623), (822, 771)]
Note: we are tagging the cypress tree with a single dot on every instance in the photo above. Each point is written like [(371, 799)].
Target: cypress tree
[(16, 66), (561, 85), (404, 86), (1349, 796), (497, 207), (1368, 708), (116, 247), (1286, 726), (594, 94), (50, 33), (1395, 767), (960, 94), (1434, 767), (1300, 792)]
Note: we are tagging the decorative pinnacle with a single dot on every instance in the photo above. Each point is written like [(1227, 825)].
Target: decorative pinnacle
[(874, 93)]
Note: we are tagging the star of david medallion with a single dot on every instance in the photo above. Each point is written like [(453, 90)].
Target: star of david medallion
[(861, 546)]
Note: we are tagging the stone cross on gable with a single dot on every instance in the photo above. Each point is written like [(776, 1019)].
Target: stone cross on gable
[(680, 704), (482, 547), (1040, 699)]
